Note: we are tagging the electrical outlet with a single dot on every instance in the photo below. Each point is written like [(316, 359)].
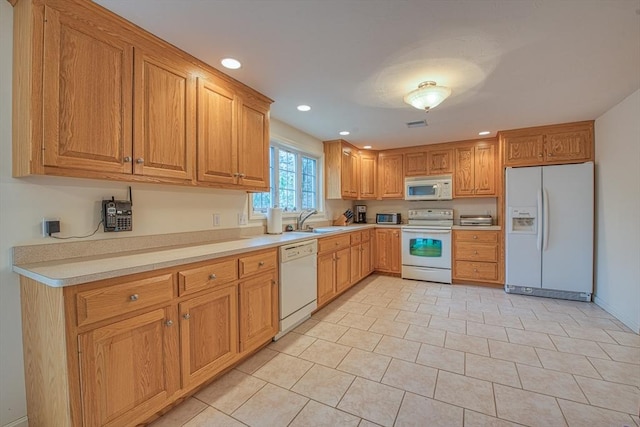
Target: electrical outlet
[(216, 220), (50, 226), (242, 218)]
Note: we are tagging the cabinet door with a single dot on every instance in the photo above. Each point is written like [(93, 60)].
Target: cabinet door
[(391, 176), (440, 162), (258, 310), (217, 137), (356, 264), (87, 90), (415, 164), (164, 116), (464, 184), (350, 172), (253, 144), (522, 150), (326, 277), (343, 264), (209, 331), (569, 146), (128, 368), (368, 176), (395, 248), (485, 170), (365, 259)]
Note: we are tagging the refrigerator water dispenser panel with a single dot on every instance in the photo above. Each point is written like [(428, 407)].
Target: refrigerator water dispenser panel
[(523, 220)]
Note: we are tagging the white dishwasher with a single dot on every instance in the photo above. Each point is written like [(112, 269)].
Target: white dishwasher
[(298, 283)]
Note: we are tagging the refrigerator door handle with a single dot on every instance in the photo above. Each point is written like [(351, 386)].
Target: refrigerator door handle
[(545, 222), (539, 214)]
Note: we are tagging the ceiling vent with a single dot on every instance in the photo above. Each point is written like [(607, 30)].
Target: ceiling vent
[(417, 124)]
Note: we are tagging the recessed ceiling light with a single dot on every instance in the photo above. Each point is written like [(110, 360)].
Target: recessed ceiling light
[(232, 64), (303, 107), (484, 132), (344, 132), (367, 147)]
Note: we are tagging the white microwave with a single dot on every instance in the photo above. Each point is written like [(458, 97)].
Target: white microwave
[(428, 188)]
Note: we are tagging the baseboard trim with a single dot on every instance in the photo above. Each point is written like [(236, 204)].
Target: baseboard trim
[(20, 422), (634, 325)]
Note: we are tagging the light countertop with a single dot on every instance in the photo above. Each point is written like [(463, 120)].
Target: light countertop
[(83, 270)]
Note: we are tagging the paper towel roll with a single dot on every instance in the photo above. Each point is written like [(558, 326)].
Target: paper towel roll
[(274, 221)]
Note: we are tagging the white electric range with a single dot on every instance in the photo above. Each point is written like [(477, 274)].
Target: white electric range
[(426, 245)]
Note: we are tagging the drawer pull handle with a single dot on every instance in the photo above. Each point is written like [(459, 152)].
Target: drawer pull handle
[(212, 276), (134, 297), (169, 322), (186, 316), (261, 263)]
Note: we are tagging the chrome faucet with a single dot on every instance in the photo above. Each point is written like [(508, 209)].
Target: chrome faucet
[(304, 215)]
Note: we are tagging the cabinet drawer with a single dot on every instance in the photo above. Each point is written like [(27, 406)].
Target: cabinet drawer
[(475, 236), (476, 251), (208, 276), (329, 244), (366, 235), (110, 301), (356, 238), (257, 263), (476, 270)]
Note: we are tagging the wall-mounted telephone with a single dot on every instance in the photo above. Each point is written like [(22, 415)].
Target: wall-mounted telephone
[(117, 215)]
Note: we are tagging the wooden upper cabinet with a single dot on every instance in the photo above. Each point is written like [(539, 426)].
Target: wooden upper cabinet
[(415, 163), (544, 145), (440, 161), (253, 144), (341, 170), (217, 132), (390, 176), (87, 96), (367, 188), (97, 97), (164, 116), (476, 170)]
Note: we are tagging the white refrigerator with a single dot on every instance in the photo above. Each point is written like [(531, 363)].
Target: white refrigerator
[(549, 243)]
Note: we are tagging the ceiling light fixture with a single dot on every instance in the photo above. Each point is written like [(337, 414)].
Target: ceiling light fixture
[(230, 63), (484, 132), (367, 147), (344, 132), (427, 96), (303, 108)]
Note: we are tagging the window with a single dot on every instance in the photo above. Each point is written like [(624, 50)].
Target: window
[(294, 181)]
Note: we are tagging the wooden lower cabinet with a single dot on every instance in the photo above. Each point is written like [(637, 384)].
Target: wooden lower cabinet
[(117, 351), (477, 256), (333, 274), (258, 310), (209, 334), (388, 250), (128, 367), (361, 261)]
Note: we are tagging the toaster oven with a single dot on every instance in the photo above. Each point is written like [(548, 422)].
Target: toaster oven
[(388, 218)]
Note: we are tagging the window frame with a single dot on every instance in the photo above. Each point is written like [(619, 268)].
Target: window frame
[(275, 147)]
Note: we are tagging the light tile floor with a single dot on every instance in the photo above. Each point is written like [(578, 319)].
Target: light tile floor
[(395, 352)]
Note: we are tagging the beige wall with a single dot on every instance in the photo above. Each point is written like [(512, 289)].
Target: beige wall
[(617, 211)]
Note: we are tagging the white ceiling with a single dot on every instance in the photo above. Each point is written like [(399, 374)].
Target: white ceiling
[(509, 63)]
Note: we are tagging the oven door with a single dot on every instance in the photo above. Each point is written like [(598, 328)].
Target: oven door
[(426, 247)]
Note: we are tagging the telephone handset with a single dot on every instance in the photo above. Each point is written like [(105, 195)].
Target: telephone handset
[(117, 215)]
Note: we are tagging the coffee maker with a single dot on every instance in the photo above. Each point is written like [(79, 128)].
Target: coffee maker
[(361, 214)]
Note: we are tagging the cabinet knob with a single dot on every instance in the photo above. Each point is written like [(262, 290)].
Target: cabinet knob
[(139, 160), (475, 236), (127, 159), (133, 297), (550, 154), (236, 174), (261, 263), (475, 270), (540, 155), (168, 322), (212, 276), (242, 175), (186, 316), (475, 252)]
